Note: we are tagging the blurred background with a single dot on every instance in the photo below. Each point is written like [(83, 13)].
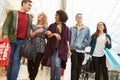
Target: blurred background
[(93, 11)]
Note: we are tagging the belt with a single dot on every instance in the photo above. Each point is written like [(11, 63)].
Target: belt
[(20, 38)]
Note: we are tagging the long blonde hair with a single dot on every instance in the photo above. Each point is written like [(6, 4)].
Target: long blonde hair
[(45, 22)]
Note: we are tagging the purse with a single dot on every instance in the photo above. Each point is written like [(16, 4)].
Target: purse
[(89, 65), (27, 49)]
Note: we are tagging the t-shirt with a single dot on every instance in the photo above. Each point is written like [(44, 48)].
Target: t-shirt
[(100, 45)]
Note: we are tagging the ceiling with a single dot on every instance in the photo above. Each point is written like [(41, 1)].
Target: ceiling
[(93, 11)]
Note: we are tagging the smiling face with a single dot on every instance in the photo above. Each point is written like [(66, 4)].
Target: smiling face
[(101, 27), (57, 17), (40, 17)]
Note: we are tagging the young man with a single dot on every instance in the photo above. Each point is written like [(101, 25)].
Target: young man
[(79, 39), (17, 27)]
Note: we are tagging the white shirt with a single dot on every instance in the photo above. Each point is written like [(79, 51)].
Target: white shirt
[(100, 45)]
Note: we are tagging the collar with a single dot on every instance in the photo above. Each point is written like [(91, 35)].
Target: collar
[(82, 27)]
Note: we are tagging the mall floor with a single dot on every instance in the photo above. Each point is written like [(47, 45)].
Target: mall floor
[(23, 74), (44, 74)]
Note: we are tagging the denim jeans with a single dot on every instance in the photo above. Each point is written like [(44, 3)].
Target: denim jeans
[(14, 62), (55, 66)]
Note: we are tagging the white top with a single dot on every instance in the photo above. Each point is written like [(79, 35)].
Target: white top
[(100, 45)]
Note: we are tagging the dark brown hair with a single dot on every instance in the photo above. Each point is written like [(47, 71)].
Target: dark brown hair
[(62, 15), (96, 34), (25, 1)]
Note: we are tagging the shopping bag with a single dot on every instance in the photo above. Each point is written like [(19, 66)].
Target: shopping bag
[(88, 63), (67, 71), (113, 59), (4, 52), (89, 66)]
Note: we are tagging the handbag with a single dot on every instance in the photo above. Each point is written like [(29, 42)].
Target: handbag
[(27, 49), (89, 65), (4, 52)]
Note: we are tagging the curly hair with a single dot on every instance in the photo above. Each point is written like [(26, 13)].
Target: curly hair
[(63, 15)]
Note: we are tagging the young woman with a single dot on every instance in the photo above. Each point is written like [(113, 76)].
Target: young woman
[(100, 41), (57, 47), (38, 35)]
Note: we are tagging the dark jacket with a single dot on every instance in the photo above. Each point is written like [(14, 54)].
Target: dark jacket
[(62, 47), (93, 44)]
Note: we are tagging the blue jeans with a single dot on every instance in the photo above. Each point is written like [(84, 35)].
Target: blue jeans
[(55, 66), (14, 62)]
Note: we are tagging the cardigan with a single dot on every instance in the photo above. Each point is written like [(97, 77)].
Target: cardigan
[(93, 43), (62, 47)]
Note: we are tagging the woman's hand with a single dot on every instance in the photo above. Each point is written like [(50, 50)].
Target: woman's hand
[(107, 40), (39, 30), (69, 53), (48, 32), (57, 36)]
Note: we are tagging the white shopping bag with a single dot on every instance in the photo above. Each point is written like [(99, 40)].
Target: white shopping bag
[(67, 72), (86, 58)]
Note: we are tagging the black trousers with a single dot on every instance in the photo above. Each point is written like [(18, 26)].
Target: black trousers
[(33, 66), (76, 63), (100, 67)]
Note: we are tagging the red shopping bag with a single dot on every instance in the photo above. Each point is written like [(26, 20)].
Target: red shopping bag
[(4, 52)]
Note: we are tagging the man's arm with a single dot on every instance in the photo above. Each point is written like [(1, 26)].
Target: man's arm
[(6, 25)]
